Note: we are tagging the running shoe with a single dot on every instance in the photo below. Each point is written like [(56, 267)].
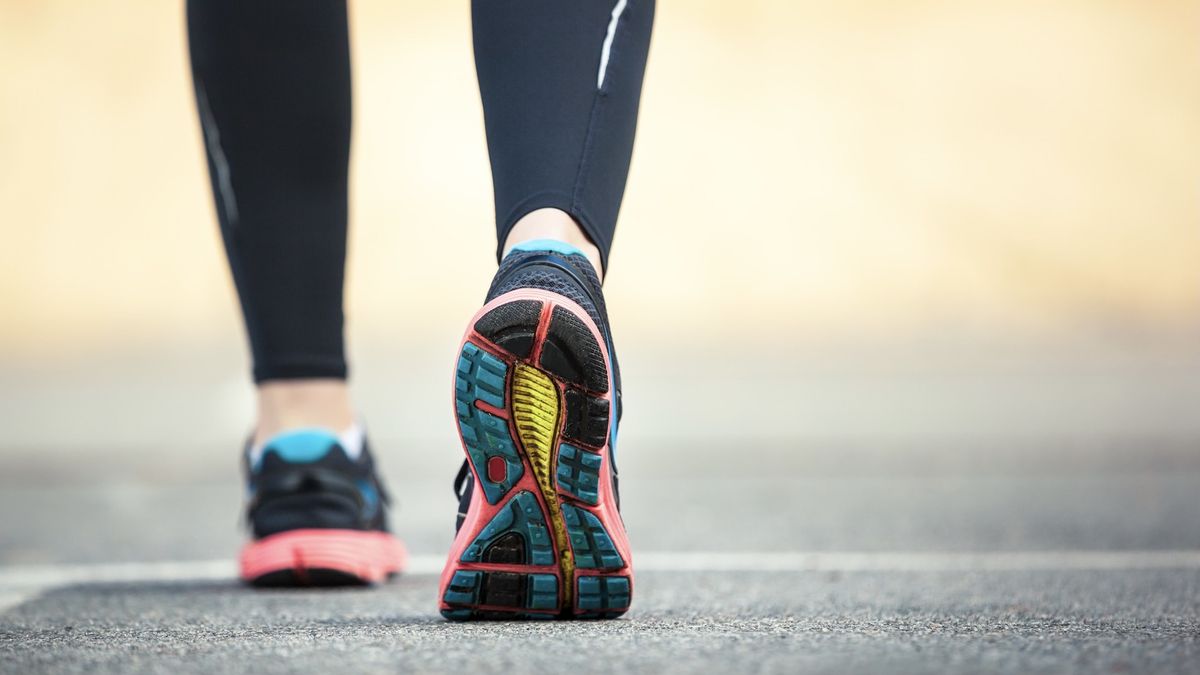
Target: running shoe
[(317, 514), (537, 399)]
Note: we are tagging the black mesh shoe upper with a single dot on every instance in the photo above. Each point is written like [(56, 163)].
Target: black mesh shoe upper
[(311, 483), (569, 275)]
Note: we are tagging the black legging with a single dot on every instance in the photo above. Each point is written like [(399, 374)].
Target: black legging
[(560, 82)]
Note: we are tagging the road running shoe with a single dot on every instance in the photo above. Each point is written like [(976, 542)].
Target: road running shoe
[(537, 399), (317, 514)]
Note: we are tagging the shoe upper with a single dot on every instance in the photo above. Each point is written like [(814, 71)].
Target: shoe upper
[(306, 480), (564, 270)]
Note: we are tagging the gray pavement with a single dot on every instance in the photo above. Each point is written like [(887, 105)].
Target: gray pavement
[(684, 622), (1066, 613)]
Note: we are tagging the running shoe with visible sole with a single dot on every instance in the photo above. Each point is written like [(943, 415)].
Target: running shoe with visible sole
[(537, 399), (317, 515)]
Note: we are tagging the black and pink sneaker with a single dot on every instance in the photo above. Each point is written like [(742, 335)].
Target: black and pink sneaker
[(317, 514), (537, 399)]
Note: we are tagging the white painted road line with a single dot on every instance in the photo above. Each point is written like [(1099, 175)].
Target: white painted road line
[(23, 576), (897, 561), (14, 598)]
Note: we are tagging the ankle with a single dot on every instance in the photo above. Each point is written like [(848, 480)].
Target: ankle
[(284, 405), (557, 225)]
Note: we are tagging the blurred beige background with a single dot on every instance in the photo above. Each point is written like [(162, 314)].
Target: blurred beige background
[(918, 220)]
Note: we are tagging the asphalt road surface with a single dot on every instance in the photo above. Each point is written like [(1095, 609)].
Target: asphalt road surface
[(835, 558)]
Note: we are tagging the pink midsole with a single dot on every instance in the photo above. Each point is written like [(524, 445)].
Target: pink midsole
[(370, 556)]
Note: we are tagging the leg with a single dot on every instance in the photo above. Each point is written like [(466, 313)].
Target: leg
[(273, 88), (537, 391), (560, 83), (555, 225)]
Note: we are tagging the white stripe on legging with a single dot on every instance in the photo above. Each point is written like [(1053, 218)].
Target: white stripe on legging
[(606, 50), (212, 137)]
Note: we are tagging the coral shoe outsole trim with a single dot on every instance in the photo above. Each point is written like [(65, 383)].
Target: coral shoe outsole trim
[(317, 557)]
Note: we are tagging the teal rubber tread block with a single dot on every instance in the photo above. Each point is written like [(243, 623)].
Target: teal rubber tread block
[(593, 547), (600, 597), (463, 588), (579, 473), (543, 591), (524, 516), (480, 376)]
